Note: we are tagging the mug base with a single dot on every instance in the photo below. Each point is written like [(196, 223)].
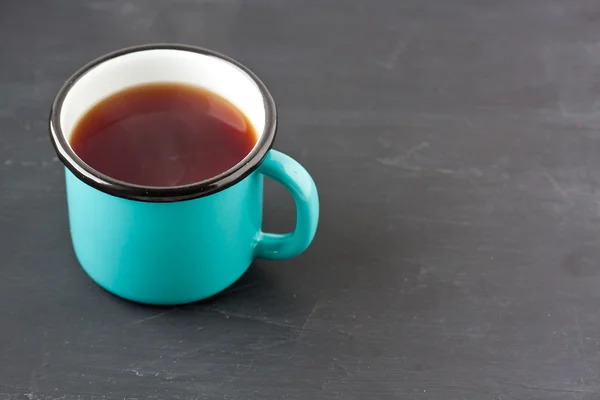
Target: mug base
[(158, 300)]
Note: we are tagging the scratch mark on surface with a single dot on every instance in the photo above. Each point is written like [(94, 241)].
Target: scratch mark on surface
[(557, 187), (135, 371), (550, 389), (563, 110), (161, 314), (471, 171), (228, 314), (144, 369), (303, 328), (464, 173), (27, 164), (385, 142), (141, 373), (432, 220), (391, 162), (36, 375), (580, 349), (256, 347), (469, 124), (310, 315), (401, 47), (415, 149), (6, 385), (401, 158)]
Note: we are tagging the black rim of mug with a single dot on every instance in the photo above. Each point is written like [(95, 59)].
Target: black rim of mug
[(129, 191)]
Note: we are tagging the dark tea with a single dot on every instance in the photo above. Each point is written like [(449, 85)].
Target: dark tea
[(163, 135)]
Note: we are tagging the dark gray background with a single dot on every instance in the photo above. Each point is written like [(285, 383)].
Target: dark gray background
[(455, 144)]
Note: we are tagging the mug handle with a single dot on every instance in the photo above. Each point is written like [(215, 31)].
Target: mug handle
[(299, 183)]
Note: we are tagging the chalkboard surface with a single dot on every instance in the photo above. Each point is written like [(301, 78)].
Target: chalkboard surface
[(456, 147)]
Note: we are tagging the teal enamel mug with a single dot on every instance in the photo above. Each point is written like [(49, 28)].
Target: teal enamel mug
[(177, 244)]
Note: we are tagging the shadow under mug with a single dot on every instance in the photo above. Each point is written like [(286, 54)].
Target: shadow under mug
[(175, 245)]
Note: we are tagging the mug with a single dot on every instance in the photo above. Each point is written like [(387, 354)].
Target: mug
[(176, 245)]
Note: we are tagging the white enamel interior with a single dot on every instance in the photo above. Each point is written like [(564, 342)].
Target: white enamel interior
[(168, 66)]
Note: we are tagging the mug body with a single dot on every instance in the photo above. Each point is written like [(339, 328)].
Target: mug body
[(165, 252), (177, 244)]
